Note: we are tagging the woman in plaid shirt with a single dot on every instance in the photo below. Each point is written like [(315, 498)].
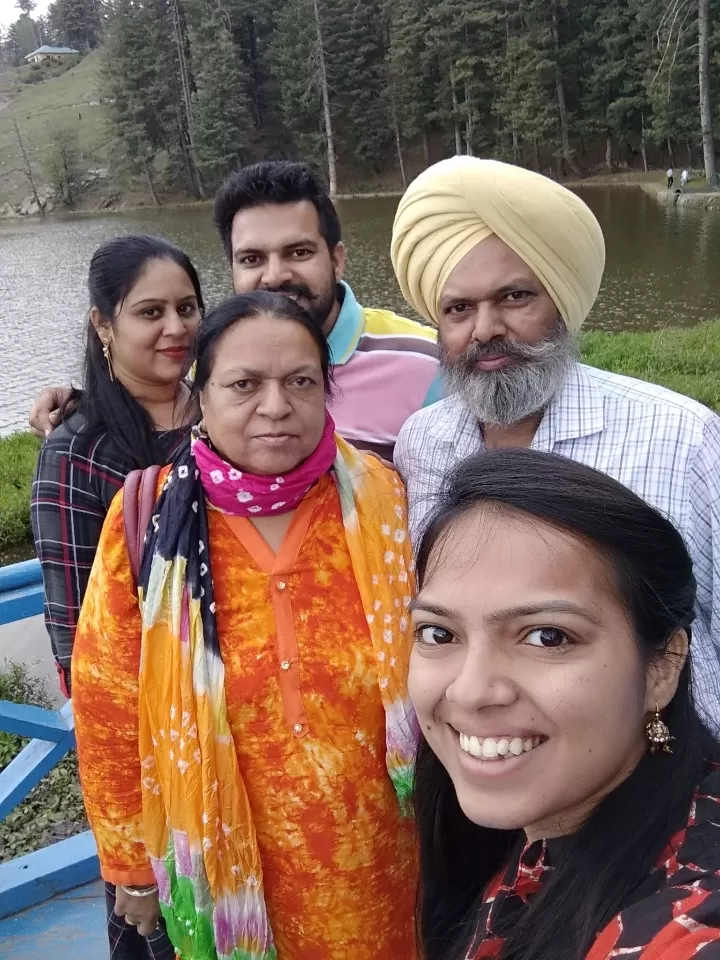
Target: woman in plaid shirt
[(133, 411)]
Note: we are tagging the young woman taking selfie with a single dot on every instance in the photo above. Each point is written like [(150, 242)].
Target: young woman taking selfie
[(567, 792)]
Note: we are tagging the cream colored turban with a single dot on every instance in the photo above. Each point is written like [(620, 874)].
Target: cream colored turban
[(456, 203)]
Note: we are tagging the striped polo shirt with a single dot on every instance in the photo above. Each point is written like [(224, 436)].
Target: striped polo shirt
[(385, 369)]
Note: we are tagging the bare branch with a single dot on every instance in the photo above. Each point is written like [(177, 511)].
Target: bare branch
[(678, 7), (677, 45)]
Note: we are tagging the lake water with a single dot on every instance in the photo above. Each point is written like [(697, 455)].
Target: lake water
[(663, 270)]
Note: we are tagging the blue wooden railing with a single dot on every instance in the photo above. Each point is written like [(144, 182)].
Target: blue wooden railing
[(61, 866)]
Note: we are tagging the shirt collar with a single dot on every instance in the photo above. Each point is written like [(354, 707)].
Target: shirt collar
[(577, 410), (346, 333)]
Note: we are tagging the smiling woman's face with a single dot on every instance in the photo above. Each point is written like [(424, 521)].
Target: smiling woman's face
[(264, 404), (526, 677)]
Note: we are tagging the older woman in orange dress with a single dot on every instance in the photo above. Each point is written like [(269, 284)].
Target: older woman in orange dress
[(244, 733)]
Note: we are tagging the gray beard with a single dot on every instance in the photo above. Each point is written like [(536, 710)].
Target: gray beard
[(505, 397)]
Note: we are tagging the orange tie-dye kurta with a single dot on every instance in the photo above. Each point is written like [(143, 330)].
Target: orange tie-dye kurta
[(308, 723)]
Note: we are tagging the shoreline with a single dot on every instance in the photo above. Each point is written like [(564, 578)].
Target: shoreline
[(675, 197), (651, 183), (79, 214)]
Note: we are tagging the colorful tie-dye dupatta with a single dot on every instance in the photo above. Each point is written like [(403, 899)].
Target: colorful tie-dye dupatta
[(197, 818)]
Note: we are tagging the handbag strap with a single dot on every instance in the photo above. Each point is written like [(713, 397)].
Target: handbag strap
[(139, 496)]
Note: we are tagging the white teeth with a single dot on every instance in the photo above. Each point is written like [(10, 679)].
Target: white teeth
[(490, 748)]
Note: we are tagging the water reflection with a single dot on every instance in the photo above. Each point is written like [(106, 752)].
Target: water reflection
[(662, 271)]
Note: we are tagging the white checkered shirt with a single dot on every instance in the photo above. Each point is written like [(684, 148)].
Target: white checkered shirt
[(662, 445)]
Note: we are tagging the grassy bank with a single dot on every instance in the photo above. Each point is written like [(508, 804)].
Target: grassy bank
[(683, 360), (18, 454)]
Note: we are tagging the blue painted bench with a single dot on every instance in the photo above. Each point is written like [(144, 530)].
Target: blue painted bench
[(37, 877)]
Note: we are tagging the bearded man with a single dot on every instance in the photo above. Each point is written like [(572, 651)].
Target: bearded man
[(507, 264)]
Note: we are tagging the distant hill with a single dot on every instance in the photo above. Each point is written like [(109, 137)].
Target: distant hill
[(69, 101)]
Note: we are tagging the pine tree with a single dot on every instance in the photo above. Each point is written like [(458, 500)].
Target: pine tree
[(356, 36), (222, 118), (412, 70), (614, 100), (294, 55), (525, 102), (76, 23), (463, 35), (142, 80)]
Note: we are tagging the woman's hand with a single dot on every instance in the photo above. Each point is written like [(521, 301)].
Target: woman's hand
[(141, 912)]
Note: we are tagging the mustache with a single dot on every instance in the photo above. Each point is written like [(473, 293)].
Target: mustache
[(298, 289), (522, 352)]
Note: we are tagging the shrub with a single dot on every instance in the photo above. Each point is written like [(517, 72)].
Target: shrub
[(54, 809)]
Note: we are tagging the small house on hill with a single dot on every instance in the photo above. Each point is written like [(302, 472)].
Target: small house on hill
[(50, 53)]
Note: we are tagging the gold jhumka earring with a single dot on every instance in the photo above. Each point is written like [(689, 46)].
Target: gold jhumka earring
[(658, 734)]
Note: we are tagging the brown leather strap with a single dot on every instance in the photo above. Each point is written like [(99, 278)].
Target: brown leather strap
[(139, 496)]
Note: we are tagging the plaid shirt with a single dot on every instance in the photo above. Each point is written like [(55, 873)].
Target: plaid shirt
[(76, 478), (660, 444)]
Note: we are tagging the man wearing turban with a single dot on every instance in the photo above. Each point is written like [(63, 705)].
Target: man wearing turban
[(507, 265)]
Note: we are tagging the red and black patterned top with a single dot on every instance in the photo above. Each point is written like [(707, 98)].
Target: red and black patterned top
[(675, 915), (76, 477)]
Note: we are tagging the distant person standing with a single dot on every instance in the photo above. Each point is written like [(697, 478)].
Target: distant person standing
[(684, 177), (671, 177)]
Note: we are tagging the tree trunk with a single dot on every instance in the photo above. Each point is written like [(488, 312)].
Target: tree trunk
[(568, 154), (536, 154), (329, 136), (456, 123), (426, 147), (688, 146), (26, 160), (670, 152), (189, 123), (249, 33), (515, 145), (186, 150), (151, 183), (468, 124), (706, 112), (643, 149), (608, 153), (398, 139)]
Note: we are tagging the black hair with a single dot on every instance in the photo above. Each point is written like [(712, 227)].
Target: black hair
[(243, 306), (106, 405), (618, 845), (274, 182)]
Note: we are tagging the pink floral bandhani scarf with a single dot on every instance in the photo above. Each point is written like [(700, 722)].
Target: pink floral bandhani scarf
[(244, 494)]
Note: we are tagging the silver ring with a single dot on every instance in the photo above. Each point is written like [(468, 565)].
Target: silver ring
[(130, 923)]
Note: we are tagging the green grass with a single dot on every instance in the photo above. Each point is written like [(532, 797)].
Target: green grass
[(54, 808), (687, 361), (41, 109), (18, 454)]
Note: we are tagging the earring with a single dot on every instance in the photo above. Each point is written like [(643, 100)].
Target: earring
[(658, 734), (108, 358), (198, 431)]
